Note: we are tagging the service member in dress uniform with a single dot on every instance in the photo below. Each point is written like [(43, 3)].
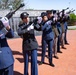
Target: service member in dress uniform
[(52, 16), (6, 57), (66, 28), (60, 32), (47, 37), (63, 26), (30, 45)]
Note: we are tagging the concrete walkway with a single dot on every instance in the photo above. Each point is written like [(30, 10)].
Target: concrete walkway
[(71, 27)]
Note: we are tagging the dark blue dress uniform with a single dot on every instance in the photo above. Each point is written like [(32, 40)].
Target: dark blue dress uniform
[(60, 32), (52, 16), (59, 37), (66, 28), (47, 37), (65, 35), (29, 47), (6, 57)]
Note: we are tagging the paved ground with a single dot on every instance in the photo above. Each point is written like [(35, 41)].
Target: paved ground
[(65, 65)]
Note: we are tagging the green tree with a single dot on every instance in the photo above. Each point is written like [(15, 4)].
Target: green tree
[(4, 4), (73, 16), (72, 20)]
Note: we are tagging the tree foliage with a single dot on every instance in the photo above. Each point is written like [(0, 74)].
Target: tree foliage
[(72, 20), (73, 16), (4, 4)]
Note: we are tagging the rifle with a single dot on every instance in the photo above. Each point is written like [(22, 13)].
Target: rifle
[(9, 15), (63, 10), (70, 11)]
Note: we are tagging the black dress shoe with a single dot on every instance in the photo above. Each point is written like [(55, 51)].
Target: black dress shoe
[(63, 48), (40, 63), (60, 52), (67, 43), (51, 64), (56, 57)]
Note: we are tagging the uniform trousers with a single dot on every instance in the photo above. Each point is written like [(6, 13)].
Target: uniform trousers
[(65, 37), (62, 39), (7, 71), (50, 47), (58, 43), (55, 46), (34, 67)]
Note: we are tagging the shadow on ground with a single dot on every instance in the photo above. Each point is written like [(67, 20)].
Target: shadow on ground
[(17, 73)]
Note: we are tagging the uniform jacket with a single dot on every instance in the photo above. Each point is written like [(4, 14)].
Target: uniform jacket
[(29, 40), (47, 31), (65, 19), (6, 57), (59, 28), (54, 27)]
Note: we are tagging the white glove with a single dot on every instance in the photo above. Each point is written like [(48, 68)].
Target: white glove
[(5, 21), (1, 35), (54, 19), (66, 15), (39, 19), (30, 27)]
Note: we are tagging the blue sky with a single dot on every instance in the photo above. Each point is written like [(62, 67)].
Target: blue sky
[(50, 4)]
